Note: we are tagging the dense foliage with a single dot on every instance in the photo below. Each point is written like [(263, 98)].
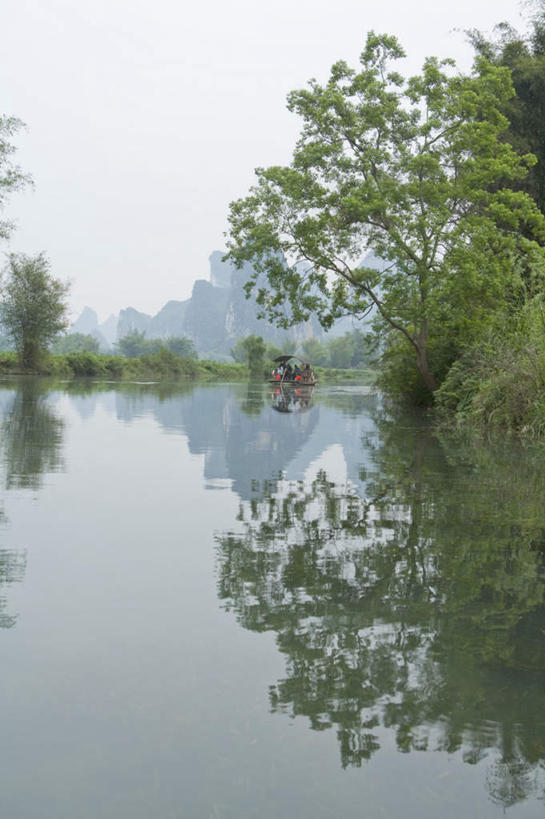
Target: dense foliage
[(34, 308), (499, 381), (524, 56)]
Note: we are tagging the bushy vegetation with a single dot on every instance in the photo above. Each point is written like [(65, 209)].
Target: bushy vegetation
[(161, 365), (500, 382)]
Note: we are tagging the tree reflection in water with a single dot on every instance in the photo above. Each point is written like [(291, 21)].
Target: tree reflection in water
[(31, 436), (416, 606)]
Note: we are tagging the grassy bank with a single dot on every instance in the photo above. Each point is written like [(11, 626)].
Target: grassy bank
[(499, 384), (160, 366)]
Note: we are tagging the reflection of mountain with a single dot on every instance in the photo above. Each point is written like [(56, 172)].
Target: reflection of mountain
[(249, 446), (412, 603)]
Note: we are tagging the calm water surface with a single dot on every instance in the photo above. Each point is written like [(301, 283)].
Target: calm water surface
[(222, 602)]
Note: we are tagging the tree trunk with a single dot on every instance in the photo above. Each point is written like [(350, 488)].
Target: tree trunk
[(422, 360), (29, 354)]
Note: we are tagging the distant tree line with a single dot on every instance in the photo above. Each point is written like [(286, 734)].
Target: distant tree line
[(135, 344), (353, 350)]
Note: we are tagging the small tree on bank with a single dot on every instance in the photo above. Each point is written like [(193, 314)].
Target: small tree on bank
[(250, 349), (34, 308)]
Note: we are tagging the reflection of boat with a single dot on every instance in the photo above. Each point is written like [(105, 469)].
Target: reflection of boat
[(285, 373), (295, 398)]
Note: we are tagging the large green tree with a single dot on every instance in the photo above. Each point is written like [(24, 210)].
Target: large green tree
[(12, 177), (34, 307), (416, 170)]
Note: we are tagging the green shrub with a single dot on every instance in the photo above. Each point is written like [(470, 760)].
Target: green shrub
[(500, 383), (85, 364), (113, 365), (8, 362)]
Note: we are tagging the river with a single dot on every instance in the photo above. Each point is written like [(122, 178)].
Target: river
[(221, 601)]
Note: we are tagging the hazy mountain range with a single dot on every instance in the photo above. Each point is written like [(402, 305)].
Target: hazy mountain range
[(214, 317)]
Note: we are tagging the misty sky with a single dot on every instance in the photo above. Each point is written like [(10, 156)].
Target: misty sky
[(145, 118)]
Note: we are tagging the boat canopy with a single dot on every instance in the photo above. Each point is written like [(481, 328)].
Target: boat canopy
[(281, 359)]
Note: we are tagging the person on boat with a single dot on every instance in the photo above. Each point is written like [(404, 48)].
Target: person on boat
[(289, 372)]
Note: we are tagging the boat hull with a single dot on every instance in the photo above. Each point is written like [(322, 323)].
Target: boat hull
[(297, 384)]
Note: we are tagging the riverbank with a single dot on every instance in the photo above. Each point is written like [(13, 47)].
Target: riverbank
[(157, 366), (161, 366)]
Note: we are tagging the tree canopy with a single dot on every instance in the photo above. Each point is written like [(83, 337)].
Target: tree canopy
[(524, 56), (252, 350), (415, 170), (34, 308)]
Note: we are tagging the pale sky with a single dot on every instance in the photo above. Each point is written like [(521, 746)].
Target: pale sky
[(145, 118)]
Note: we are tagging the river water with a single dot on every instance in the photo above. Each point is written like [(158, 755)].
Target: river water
[(218, 601)]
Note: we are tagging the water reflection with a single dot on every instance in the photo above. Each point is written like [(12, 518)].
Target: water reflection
[(411, 601), (291, 398), (31, 438), (12, 570)]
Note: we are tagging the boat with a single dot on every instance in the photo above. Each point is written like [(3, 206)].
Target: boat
[(297, 376)]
